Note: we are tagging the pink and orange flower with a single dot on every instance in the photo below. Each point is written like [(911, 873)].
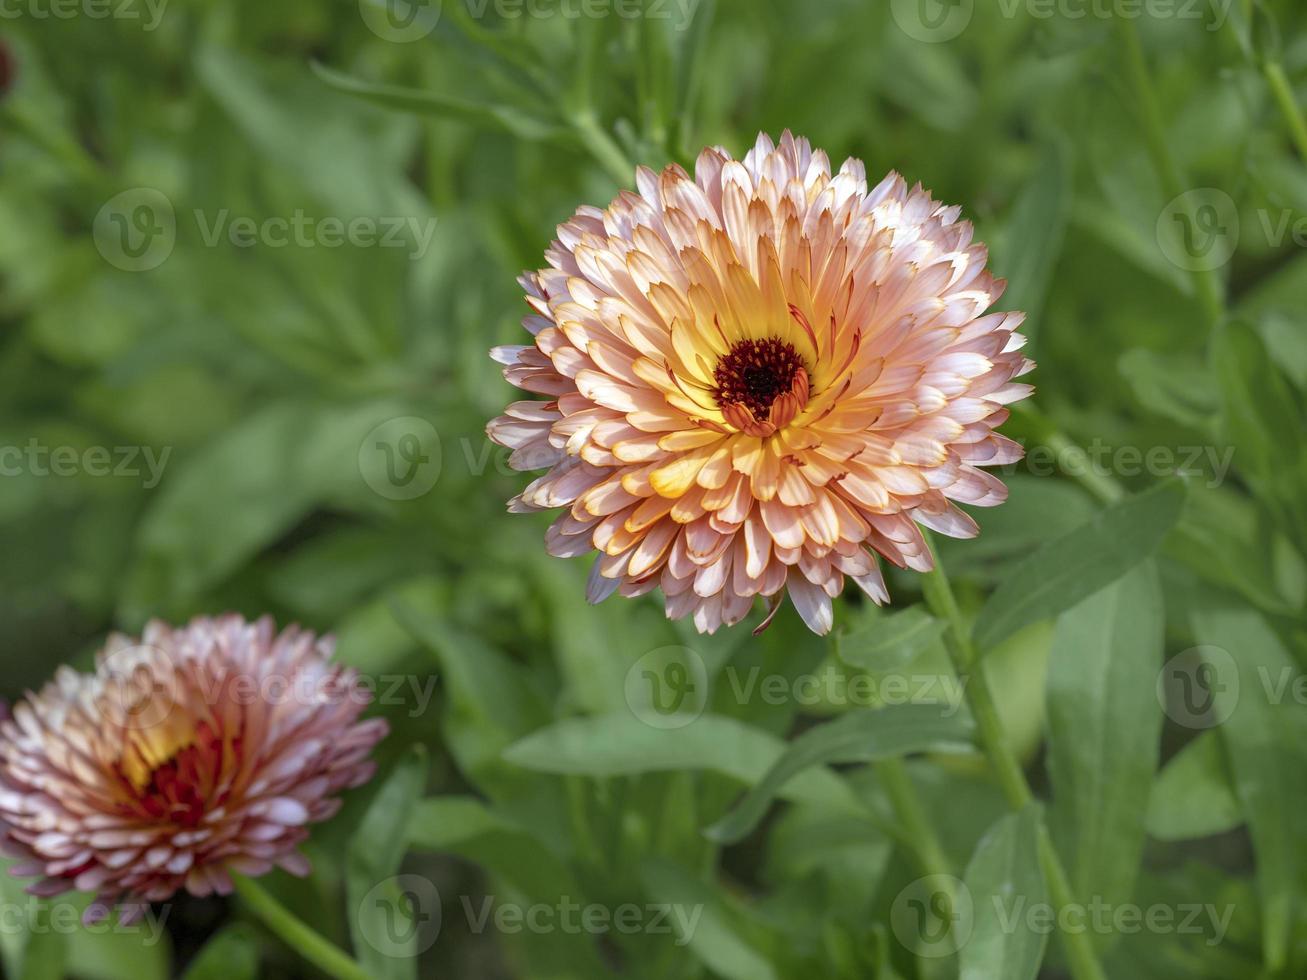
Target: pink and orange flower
[(759, 380), (185, 756)]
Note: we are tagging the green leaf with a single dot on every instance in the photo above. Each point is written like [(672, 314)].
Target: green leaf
[(1265, 737), (861, 736), (890, 642), (702, 921), (232, 498), (31, 948), (113, 951), (372, 860), (466, 826), (1170, 385), (1104, 726), (622, 745), (492, 699), (1193, 795), (512, 119), (1262, 421), (1005, 880), (1080, 563), (232, 954)]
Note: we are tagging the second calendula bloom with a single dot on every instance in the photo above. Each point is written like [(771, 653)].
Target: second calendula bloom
[(758, 379)]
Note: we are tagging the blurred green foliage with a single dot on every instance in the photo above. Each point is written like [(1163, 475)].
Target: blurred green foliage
[(235, 375)]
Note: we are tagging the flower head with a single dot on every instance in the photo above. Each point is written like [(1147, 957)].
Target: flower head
[(186, 755), (757, 380)]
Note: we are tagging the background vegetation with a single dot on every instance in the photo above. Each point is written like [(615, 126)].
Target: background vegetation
[(1140, 180)]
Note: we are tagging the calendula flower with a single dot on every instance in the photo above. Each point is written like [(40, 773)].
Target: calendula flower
[(187, 755), (759, 379)]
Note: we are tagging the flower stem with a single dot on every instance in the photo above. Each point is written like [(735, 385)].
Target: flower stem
[(1080, 954), (918, 832), (326, 956), (1208, 285), (603, 147), (1283, 92)]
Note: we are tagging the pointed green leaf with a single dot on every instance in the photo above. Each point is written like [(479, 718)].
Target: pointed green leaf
[(515, 120), (372, 861), (1005, 880), (1193, 795), (861, 736), (890, 642), (1104, 726), (232, 954), (1265, 736), (623, 745), (1078, 564)]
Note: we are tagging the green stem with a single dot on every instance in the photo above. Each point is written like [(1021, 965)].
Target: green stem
[(603, 147), (1081, 468), (918, 832), (1081, 957), (326, 956), (1207, 283), (1283, 92)]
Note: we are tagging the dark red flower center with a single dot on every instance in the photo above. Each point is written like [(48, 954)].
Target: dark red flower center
[(754, 373)]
